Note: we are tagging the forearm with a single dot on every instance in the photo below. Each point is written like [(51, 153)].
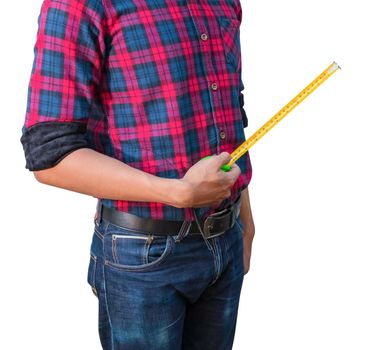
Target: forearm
[(248, 232), (246, 213), (89, 172)]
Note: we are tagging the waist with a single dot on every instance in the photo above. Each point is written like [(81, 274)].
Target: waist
[(214, 224), (161, 211)]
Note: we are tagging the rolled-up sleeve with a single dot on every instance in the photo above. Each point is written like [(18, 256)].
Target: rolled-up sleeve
[(242, 103), (65, 76)]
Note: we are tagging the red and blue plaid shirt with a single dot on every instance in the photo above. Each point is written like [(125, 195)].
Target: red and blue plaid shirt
[(155, 84)]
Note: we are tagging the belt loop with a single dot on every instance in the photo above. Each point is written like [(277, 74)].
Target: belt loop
[(201, 230), (184, 230), (97, 218), (236, 208)]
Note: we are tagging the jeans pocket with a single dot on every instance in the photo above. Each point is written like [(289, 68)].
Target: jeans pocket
[(131, 250), (91, 274)]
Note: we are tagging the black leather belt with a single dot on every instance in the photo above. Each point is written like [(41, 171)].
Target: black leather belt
[(215, 223)]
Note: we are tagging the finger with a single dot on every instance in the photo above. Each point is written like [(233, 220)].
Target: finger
[(234, 173), (235, 168), (228, 193), (234, 165), (223, 158)]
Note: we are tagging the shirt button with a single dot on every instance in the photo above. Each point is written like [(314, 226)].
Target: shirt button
[(214, 86), (204, 36), (222, 135)]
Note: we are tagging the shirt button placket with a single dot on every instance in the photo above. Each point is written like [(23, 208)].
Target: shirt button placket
[(204, 36), (214, 86)]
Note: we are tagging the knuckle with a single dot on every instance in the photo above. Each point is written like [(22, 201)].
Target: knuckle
[(237, 170), (221, 181), (231, 180)]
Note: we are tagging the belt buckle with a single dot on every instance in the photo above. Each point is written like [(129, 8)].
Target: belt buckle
[(208, 222)]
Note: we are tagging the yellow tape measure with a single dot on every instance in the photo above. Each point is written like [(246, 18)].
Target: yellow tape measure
[(245, 146)]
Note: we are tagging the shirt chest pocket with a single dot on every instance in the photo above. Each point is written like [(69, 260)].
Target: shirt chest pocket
[(230, 34)]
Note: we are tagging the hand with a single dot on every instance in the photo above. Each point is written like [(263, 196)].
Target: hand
[(205, 184)]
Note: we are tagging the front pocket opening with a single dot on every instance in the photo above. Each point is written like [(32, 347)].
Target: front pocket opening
[(125, 247), (115, 237), (136, 255)]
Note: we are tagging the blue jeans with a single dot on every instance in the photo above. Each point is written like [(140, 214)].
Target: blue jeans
[(160, 292)]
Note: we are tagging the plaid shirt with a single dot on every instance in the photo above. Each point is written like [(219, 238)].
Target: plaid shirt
[(155, 84)]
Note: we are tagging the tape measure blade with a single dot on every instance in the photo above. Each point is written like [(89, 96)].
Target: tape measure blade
[(319, 80)]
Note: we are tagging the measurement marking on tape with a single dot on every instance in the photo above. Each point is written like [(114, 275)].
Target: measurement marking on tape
[(245, 146)]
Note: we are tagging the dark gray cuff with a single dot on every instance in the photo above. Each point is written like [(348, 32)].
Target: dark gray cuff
[(46, 143), (243, 112)]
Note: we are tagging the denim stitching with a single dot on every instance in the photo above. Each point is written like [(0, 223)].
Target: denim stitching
[(114, 249), (93, 274), (146, 249), (219, 256), (105, 296), (226, 248), (97, 232), (216, 261)]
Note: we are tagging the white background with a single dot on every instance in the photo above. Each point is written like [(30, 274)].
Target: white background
[(306, 288)]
